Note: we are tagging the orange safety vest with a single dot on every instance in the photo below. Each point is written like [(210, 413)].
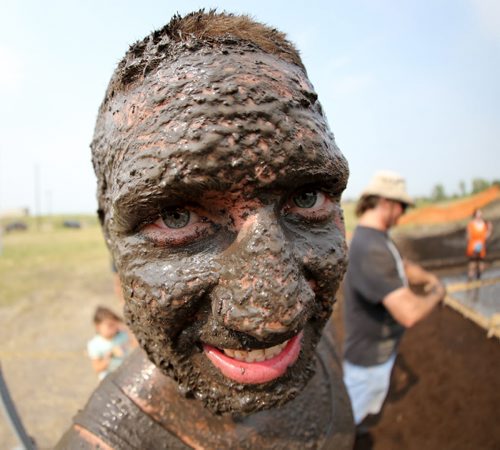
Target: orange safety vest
[(477, 232)]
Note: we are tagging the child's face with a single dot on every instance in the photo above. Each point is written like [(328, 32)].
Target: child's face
[(108, 328), (225, 224)]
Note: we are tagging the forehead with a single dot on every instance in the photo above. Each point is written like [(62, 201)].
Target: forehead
[(220, 121)]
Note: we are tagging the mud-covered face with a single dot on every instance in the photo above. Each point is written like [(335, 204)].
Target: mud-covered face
[(224, 220)]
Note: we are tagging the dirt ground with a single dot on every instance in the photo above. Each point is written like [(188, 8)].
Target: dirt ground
[(445, 389), (42, 353), (452, 212)]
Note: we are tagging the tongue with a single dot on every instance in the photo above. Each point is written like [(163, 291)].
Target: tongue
[(256, 372)]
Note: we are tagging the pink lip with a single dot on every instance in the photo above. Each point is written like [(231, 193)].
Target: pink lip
[(256, 372)]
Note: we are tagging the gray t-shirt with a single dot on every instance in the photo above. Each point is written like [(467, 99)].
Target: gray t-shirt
[(375, 269)]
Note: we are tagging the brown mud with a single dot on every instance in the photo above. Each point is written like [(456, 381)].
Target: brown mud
[(435, 235), (445, 388)]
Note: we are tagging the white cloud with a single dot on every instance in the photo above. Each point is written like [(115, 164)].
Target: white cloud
[(488, 13)]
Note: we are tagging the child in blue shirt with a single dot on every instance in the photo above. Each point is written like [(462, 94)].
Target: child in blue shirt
[(109, 347)]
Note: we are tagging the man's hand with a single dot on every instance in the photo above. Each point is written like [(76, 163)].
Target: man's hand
[(435, 287)]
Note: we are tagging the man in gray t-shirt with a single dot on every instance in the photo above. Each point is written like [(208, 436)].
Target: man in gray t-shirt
[(379, 305), (372, 333)]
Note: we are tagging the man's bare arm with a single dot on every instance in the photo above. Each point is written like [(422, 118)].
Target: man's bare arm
[(408, 308), (416, 275)]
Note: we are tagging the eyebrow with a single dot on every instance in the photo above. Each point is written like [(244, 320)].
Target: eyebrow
[(138, 202), (135, 203), (333, 180)]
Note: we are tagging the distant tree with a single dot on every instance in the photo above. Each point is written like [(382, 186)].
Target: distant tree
[(479, 184), (495, 183), (462, 188), (438, 193)]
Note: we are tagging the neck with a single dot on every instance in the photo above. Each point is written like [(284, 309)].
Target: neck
[(373, 219)]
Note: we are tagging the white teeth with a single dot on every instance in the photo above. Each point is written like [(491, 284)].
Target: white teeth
[(255, 355)]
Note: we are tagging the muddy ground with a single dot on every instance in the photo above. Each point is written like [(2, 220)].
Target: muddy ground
[(445, 395), (445, 389), (42, 352)]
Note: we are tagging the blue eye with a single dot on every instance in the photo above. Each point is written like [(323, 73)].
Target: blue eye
[(305, 199), (176, 218)]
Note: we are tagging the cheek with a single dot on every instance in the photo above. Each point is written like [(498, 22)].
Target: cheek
[(339, 222), (325, 262), (168, 293)]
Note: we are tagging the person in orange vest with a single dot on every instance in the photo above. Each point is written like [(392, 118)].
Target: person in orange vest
[(478, 231)]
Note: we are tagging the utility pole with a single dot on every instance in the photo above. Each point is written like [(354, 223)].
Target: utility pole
[(48, 194), (37, 196)]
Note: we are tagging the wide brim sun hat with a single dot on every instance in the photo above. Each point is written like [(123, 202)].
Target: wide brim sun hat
[(389, 185)]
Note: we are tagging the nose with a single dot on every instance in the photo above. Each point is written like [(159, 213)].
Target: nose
[(262, 290)]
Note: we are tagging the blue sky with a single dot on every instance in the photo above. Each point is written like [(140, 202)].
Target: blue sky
[(408, 85)]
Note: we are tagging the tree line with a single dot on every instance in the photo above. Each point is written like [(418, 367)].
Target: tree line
[(477, 185)]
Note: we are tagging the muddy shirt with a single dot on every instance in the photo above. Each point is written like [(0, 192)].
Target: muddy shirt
[(134, 409), (375, 269)]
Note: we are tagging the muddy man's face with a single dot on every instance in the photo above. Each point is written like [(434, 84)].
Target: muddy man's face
[(225, 224)]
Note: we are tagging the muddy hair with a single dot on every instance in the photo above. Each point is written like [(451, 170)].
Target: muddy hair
[(199, 29), (102, 313), (365, 203)]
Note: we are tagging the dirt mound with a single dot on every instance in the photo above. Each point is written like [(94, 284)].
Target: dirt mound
[(435, 236), (452, 212), (445, 388)]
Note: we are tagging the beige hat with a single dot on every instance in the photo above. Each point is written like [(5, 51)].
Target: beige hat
[(389, 185)]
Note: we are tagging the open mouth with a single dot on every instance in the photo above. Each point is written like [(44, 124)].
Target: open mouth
[(255, 366)]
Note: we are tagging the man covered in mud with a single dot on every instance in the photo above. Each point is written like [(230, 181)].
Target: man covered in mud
[(218, 186)]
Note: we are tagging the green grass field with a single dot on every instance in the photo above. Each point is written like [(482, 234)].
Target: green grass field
[(51, 280), (46, 257), (349, 216)]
